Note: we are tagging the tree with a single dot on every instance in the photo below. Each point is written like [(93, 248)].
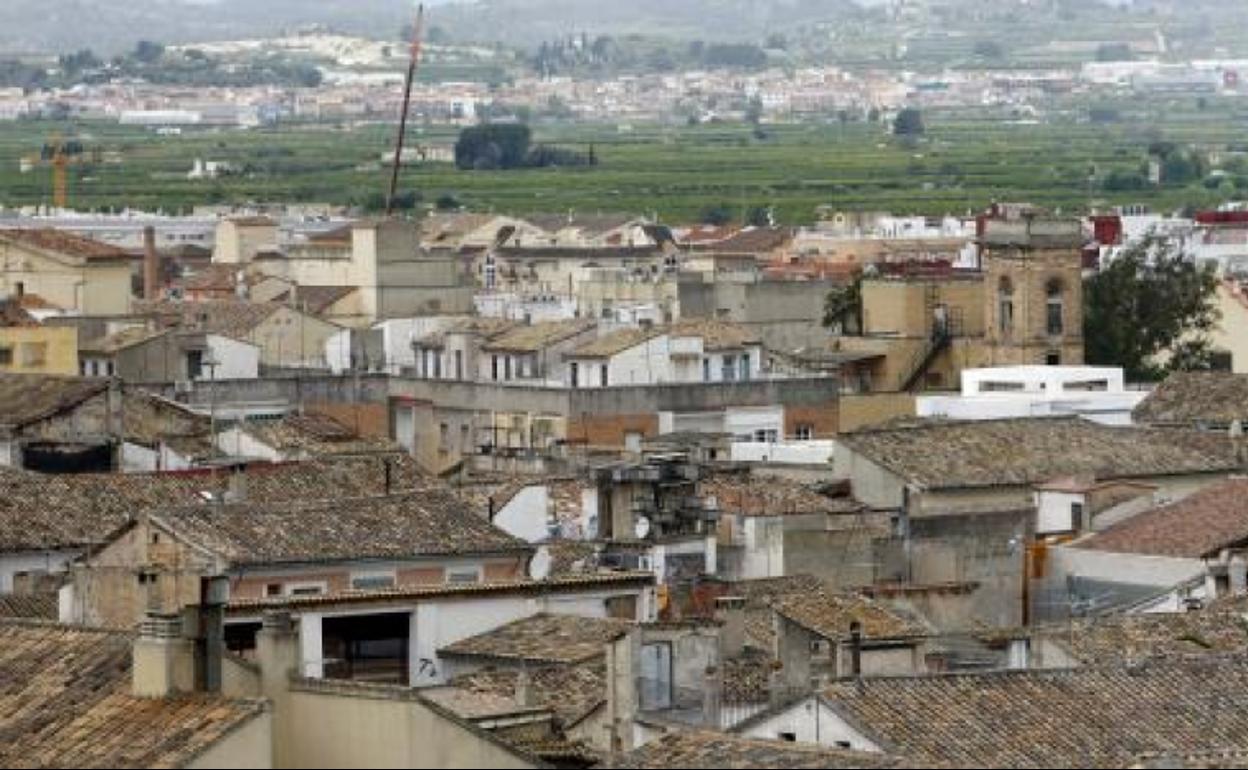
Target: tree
[(719, 214), (759, 216), (492, 145), (842, 308), (1150, 303), (148, 52), (908, 123), (754, 110)]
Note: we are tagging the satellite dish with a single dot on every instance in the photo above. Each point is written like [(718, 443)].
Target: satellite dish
[(539, 565), (641, 528)]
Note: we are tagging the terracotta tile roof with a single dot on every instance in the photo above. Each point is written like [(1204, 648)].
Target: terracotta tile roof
[(704, 748), (616, 342), (570, 557), (715, 335), (592, 224), (747, 677), (39, 606), (315, 299), (759, 594), (1111, 639), (1201, 524), (429, 522), (227, 317), (481, 327), (316, 435), (65, 702), (61, 242), (338, 235), (40, 511), (567, 583), (477, 704), (542, 638), (741, 494), (1089, 717), (951, 454), (215, 277), (253, 220), (534, 337), (27, 398), (571, 691), (121, 340), (1189, 398), (751, 240), (831, 615)]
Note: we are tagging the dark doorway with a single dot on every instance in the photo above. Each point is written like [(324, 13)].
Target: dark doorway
[(370, 648)]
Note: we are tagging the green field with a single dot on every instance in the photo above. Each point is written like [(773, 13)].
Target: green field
[(963, 163)]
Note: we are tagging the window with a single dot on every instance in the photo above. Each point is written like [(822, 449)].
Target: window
[(6, 356), (194, 364), (1054, 358), (306, 589), (728, 370), (603, 375), (1053, 305), (459, 364), (787, 736), (462, 575), (273, 589), (1076, 516), (366, 581), (494, 367), (766, 435), (1005, 306), (573, 371), (444, 435), (805, 432), (437, 366), (507, 367), (706, 370), (745, 366)]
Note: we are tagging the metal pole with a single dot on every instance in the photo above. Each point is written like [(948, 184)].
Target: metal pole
[(407, 101)]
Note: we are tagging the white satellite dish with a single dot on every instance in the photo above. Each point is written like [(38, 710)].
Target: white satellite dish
[(539, 565), (641, 528)]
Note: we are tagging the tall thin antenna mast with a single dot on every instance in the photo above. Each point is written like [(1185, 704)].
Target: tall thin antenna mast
[(412, 63)]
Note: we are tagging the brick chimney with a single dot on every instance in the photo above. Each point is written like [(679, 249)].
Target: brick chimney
[(151, 265), (164, 659)]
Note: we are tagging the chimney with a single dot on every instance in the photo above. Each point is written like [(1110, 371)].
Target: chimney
[(1237, 569), (151, 264), (214, 593), (164, 659), (236, 486), (855, 649), (277, 652), (524, 690), (730, 612), (712, 698)]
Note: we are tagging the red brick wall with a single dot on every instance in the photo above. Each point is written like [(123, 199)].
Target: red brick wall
[(414, 576), (823, 419), (610, 430), (368, 419)]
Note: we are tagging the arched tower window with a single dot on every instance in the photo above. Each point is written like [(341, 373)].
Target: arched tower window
[(1005, 306), (1054, 306)]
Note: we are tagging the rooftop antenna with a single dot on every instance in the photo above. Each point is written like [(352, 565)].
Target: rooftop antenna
[(413, 62)]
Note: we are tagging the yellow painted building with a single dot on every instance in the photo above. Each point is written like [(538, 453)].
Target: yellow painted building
[(39, 350), (71, 272)]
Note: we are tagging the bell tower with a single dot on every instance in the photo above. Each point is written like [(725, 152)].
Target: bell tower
[(1033, 291)]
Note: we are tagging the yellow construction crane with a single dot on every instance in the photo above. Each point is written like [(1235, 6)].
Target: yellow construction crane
[(60, 154)]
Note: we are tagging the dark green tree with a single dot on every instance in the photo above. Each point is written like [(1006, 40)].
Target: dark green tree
[(842, 308), (1150, 301), (493, 145), (908, 123), (148, 52), (719, 214)]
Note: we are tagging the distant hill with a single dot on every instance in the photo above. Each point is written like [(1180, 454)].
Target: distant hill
[(110, 26)]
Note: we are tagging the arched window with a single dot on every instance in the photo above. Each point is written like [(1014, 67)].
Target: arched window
[(1005, 306), (1054, 306)]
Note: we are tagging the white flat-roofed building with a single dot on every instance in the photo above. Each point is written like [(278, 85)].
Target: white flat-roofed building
[(1097, 393)]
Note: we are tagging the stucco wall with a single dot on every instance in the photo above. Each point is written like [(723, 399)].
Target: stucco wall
[(247, 746), (360, 730)]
